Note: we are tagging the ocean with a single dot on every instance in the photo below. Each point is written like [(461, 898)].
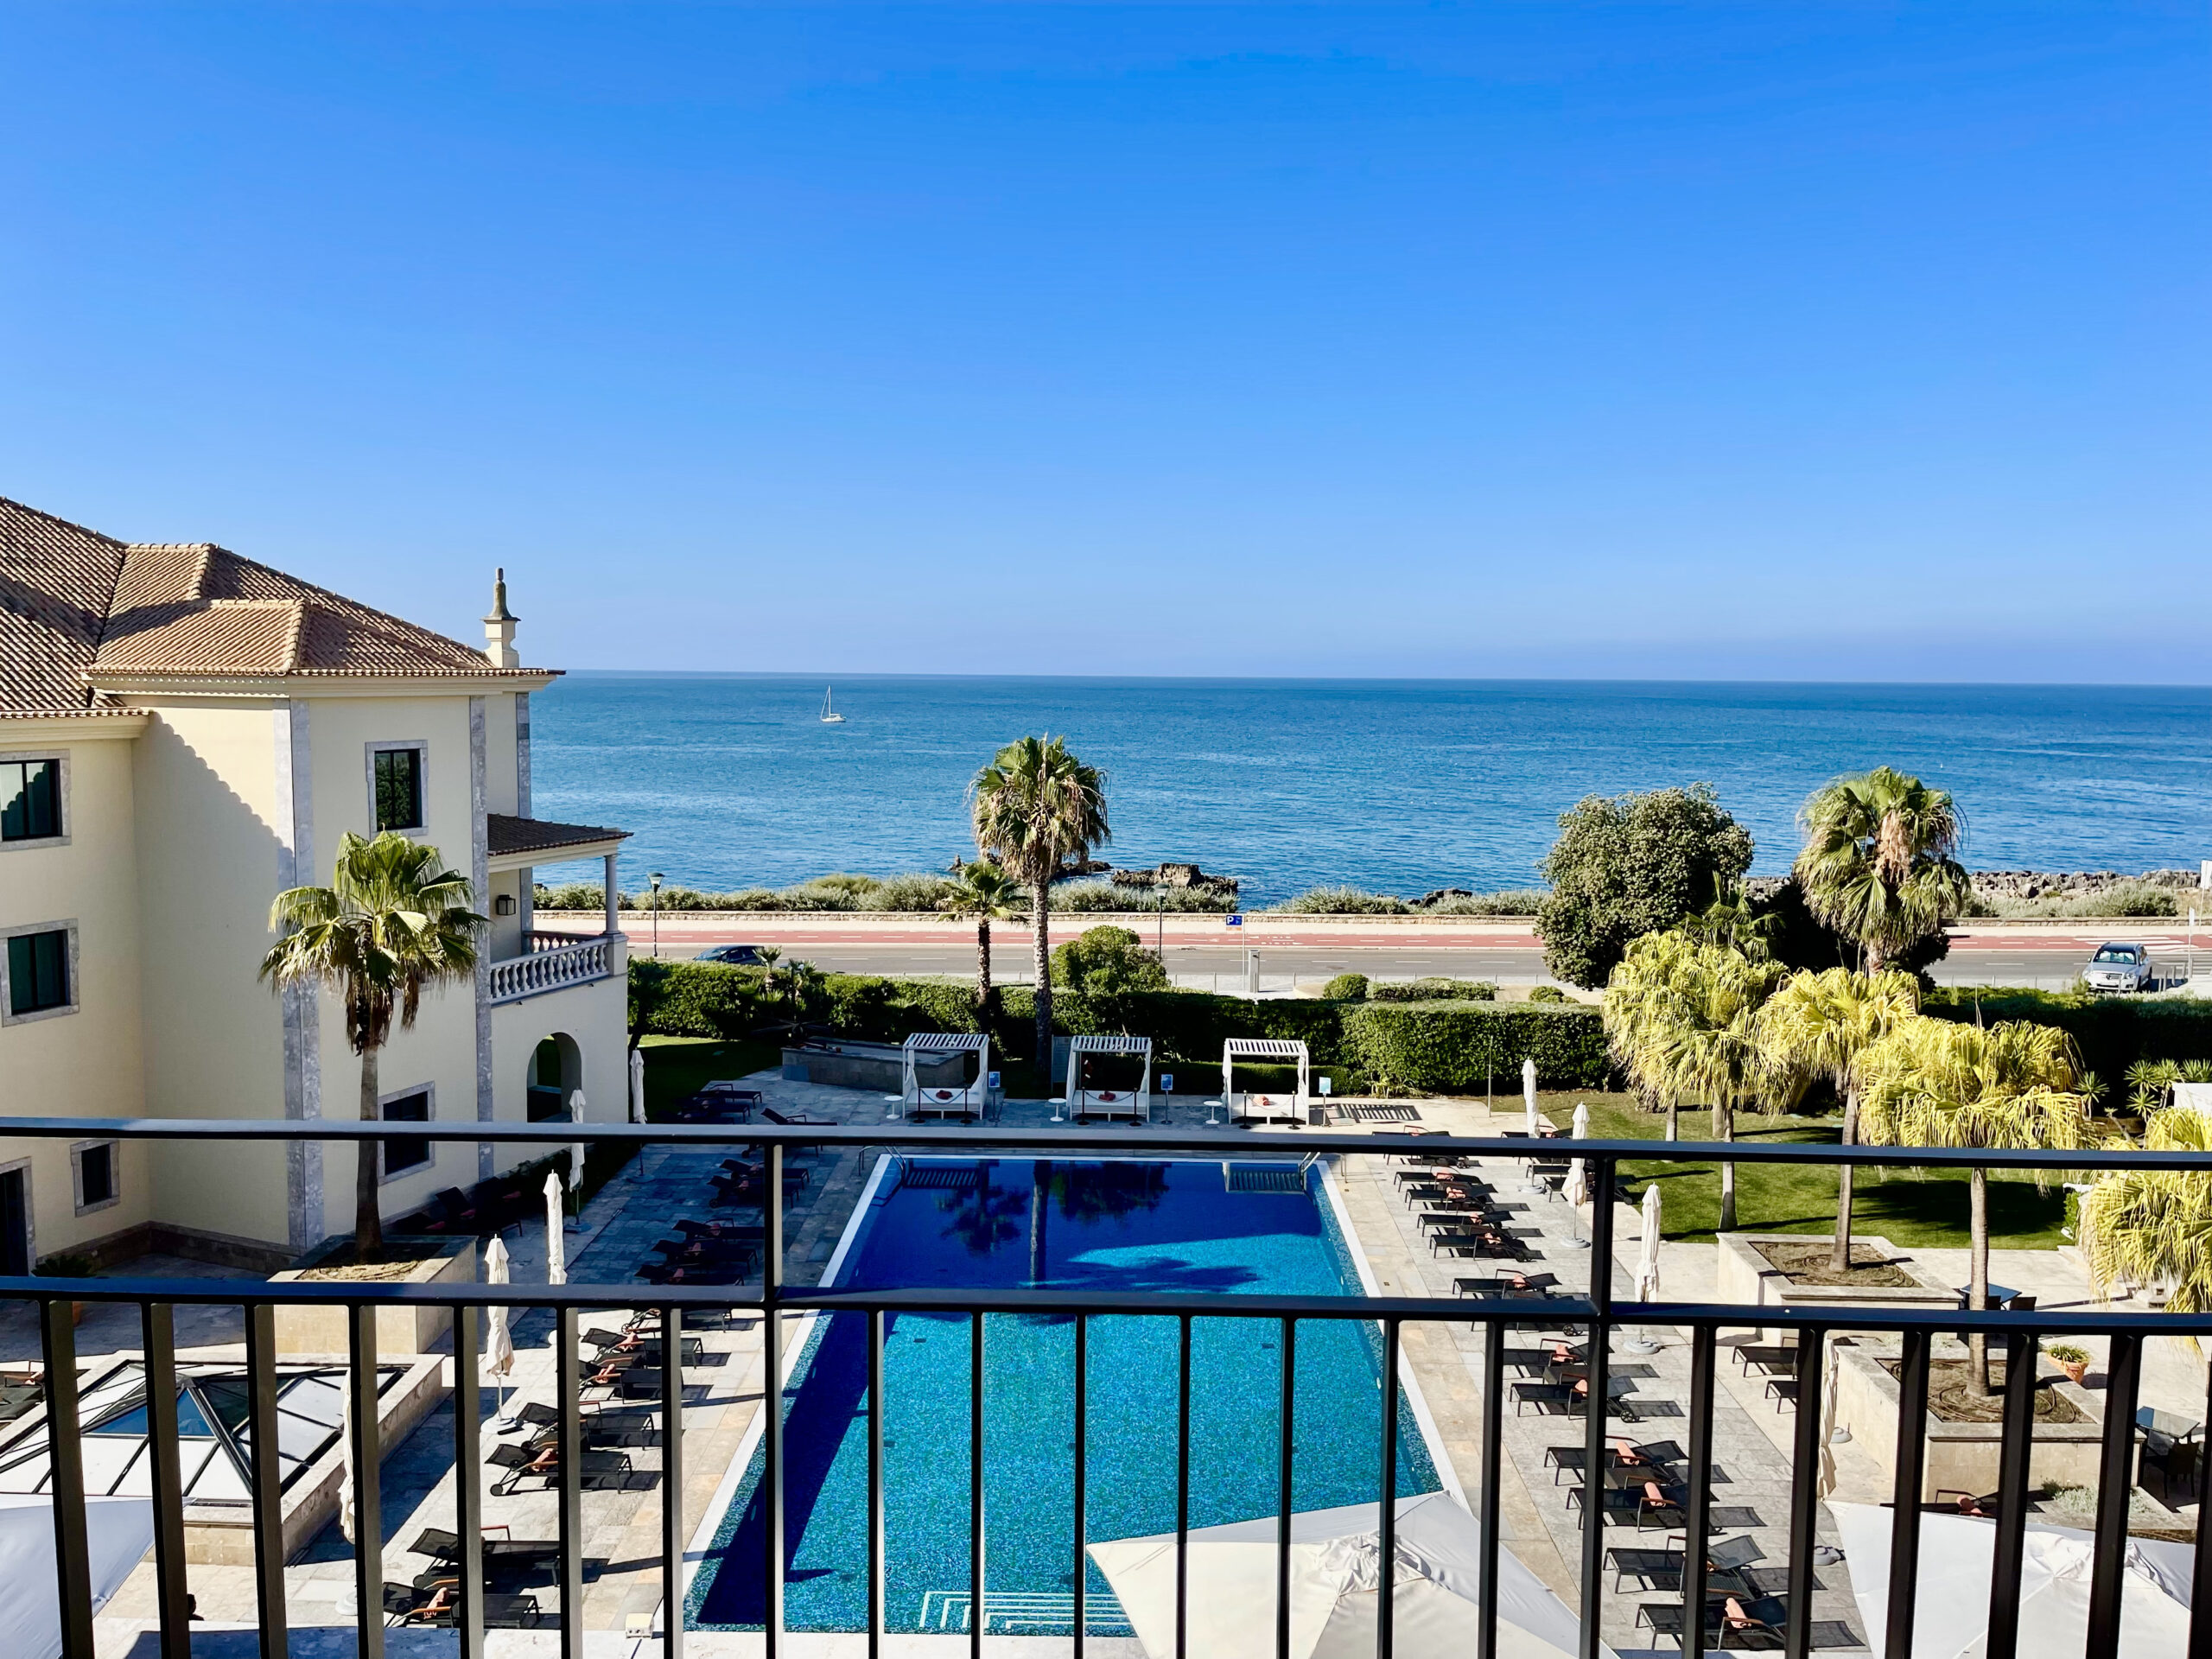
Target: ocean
[(1399, 786)]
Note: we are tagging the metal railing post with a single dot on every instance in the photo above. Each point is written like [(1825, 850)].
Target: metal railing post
[(1912, 1463), (772, 1407), (977, 1616), (1386, 1584), (569, 1480), (1804, 1492), (672, 1481), (2115, 1487), (1081, 1579), (1599, 1375), (66, 1452), (266, 1472), (876, 1333), (468, 1482), (1697, 1518), (368, 1494), (1284, 1471), (2013, 1455), (172, 1599), (1488, 1520)]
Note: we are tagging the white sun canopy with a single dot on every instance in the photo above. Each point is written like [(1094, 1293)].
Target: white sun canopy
[(1335, 1569), (1275, 1051), (963, 1102), (1134, 1104), (119, 1531)]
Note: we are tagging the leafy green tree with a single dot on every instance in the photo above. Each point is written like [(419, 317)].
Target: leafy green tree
[(1107, 963), (1682, 1019), (984, 893), (1821, 1024), (1038, 811), (393, 922), (1879, 862), (1934, 1082), (1635, 864)]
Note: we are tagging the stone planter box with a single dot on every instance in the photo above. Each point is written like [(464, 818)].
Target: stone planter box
[(221, 1534), (1747, 1278), (400, 1330), (1962, 1457)]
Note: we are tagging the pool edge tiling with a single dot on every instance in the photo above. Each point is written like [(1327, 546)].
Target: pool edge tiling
[(1129, 1225)]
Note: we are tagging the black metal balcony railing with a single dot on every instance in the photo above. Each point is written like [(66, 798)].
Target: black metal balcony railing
[(771, 1299)]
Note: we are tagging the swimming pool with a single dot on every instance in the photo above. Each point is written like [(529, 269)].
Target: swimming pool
[(1225, 1229)]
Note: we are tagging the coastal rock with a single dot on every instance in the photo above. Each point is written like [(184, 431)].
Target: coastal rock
[(2047, 884), (1184, 876)]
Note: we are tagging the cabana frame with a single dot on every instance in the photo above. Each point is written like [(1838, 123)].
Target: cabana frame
[(968, 1102), (1133, 1105), (1273, 1050)]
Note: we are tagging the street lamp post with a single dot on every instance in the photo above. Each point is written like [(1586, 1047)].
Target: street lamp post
[(655, 878)]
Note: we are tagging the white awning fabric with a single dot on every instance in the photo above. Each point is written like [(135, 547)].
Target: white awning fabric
[(118, 1532)]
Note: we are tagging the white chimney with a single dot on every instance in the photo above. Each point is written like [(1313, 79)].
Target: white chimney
[(500, 627)]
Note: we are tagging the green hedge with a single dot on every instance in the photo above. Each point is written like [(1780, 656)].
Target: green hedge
[(2112, 1032), (1424, 1048), (1460, 1048)]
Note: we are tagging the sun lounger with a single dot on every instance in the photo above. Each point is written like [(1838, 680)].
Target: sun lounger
[(521, 1465), (1754, 1625), (406, 1605), (798, 1119), (503, 1557), (739, 1229)]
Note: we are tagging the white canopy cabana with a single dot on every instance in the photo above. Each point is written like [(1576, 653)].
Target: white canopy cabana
[(1135, 1104), (965, 1101), (1335, 1571), (1276, 1051)]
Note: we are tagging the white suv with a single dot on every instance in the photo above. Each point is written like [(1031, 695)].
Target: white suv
[(2119, 968)]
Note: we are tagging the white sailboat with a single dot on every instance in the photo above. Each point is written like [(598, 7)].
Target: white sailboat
[(829, 715)]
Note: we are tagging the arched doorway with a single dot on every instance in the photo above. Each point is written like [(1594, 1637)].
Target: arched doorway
[(557, 1072)]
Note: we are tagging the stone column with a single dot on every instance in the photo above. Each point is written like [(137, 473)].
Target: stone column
[(613, 899)]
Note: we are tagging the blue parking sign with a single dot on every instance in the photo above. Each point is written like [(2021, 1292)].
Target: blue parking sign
[(1232, 921)]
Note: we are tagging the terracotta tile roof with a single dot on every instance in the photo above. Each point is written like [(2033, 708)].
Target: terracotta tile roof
[(74, 603), (505, 835)]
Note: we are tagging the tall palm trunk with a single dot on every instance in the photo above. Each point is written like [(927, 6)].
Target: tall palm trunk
[(368, 1225), (1041, 936), (1978, 1277), (1839, 1258), (983, 973), (1674, 1120), (1723, 1128)]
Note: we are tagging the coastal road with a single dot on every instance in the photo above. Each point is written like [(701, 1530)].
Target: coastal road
[(1203, 953)]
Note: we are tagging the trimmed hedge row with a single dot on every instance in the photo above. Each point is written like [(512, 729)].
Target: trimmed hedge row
[(2112, 1032), (1445, 1047)]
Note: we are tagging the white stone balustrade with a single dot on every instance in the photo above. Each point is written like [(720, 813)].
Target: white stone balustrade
[(551, 970)]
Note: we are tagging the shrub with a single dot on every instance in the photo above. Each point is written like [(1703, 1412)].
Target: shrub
[(1458, 1047), (1343, 901), (1520, 901), (1346, 987), (2123, 899), (1633, 865), (2112, 1033), (1080, 896), (574, 895), (1433, 990), (1546, 994), (1107, 962), (919, 892)]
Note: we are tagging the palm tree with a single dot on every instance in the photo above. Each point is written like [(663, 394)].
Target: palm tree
[(1878, 863), (986, 892), (1688, 1029), (1823, 1023), (2154, 1226), (392, 921), (1037, 809), (1934, 1082)]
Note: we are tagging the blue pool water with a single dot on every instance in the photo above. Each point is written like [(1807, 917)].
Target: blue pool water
[(1245, 1229)]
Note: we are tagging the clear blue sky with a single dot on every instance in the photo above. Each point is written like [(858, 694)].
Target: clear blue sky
[(1781, 340)]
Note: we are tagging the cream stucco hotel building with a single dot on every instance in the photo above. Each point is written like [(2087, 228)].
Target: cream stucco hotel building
[(183, 734)]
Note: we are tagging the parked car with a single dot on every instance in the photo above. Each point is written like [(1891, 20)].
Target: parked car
[(734, 956), (2119, 968)]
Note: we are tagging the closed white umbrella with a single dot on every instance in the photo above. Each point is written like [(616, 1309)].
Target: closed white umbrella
[(1647, 1257), (557, 1259), (637, 1085), (119, 1531), (498, 1341), (577, 1154), (346, 1462), (1579, 1131), (1956, 1555), (1335, 1573), (1528, 1096)]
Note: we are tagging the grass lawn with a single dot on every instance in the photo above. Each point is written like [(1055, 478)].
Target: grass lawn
[(1909, 1210), (678, 1066)]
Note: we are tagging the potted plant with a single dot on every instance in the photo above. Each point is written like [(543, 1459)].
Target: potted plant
[(2073, 1361)]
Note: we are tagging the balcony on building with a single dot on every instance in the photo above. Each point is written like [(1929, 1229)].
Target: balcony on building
[(530, 954)]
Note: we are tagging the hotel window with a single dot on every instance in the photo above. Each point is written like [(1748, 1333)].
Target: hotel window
[(38, 973), (30, 800), (99, 1180), (396, 780), (403, 1155)]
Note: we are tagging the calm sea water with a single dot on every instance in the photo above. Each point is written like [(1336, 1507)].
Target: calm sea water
[(733, 781)]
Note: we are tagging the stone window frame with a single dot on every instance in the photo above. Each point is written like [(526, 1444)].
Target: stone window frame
[(60, 758), (387, 746), (76, 977), (429, 1091), (77, 1151)]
